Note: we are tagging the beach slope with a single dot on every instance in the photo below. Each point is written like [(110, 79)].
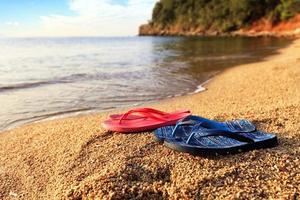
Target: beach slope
[(74, 158)]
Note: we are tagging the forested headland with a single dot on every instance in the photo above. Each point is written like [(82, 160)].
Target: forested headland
[(194, 17)]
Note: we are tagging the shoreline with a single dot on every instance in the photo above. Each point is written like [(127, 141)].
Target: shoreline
[(200, 88), (71, 114), (60, 114), (291, 34), (148, 30), (259, 28), (75, 158)]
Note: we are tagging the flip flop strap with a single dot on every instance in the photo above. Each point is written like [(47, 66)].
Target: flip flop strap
[(158, 112), (235, 126), (144, 113), (183, 122), (216, 132), (151, 110)]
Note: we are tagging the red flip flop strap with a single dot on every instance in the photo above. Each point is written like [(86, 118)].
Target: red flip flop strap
[(158, 112), (144, 112), (151, 110)]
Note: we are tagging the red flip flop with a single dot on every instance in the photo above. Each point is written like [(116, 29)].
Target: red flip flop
[(147, 110), (142, 119)]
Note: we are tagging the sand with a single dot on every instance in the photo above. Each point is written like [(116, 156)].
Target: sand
[(74, 158)]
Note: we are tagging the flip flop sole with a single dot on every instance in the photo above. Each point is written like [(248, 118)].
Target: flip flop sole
[(203, 151), (160, 133), (235, 126)]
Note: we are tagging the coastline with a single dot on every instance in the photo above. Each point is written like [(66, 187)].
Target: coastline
[(144, 31), (75, 158), (260, 28)]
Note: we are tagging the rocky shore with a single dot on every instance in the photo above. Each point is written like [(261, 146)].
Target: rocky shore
[(260, 28), (148, 30)]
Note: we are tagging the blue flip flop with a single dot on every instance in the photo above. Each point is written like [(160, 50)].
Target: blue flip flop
[(185, 126), (207, 142)]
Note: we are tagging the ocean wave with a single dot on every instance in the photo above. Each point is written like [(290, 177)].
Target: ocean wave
[(36, 118), (79, 77), (22, 86)]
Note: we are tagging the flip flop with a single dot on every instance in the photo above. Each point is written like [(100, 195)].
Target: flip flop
[(207, 142), (148, 122), (185, 125), (148, 110)]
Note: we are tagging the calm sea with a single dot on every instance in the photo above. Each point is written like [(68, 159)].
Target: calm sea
[(42, 78)]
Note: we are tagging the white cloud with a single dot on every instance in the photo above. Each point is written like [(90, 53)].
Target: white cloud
[(12, 23), (98, 18)]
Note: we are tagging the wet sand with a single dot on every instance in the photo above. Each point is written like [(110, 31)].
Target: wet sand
[(74, 158)]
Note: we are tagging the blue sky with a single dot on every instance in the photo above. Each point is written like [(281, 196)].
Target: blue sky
[(73, 17)]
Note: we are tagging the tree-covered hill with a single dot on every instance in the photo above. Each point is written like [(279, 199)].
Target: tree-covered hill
[(218, 15)]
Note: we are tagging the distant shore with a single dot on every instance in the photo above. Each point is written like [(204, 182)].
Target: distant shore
[(261, 28), (147, 30), (75, 158)]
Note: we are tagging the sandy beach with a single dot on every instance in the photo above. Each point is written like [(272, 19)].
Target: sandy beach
[(75, 158)]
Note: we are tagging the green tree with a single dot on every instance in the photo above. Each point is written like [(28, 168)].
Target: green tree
[(221, 15)]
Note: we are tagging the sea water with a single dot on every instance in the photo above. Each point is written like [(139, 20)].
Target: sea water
[(41, 78)]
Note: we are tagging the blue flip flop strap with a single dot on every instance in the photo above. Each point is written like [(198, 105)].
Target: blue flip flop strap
[(201, 119), (235, 126), (216, 132), (183, 122)]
